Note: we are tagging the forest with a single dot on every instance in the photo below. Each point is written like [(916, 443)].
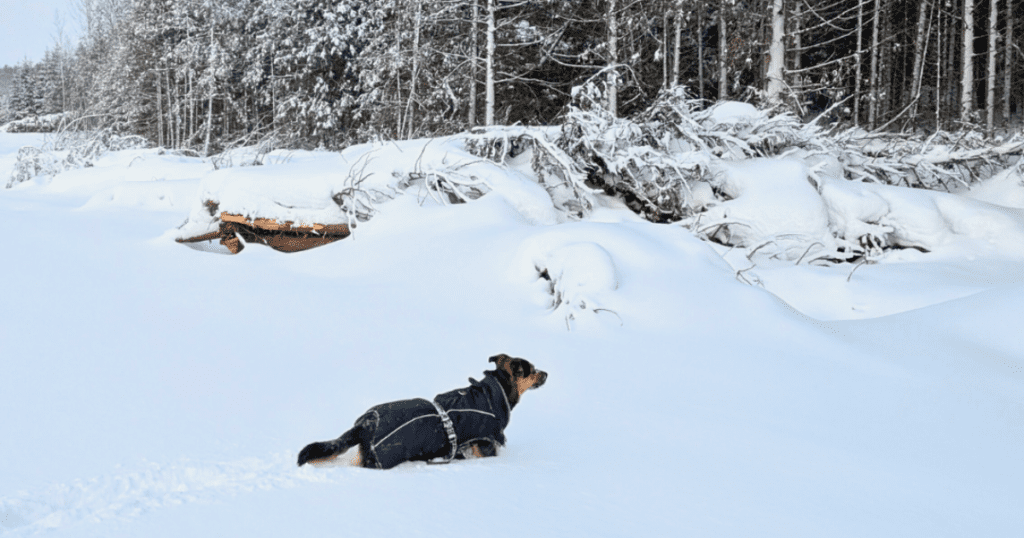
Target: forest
[(204, 76)]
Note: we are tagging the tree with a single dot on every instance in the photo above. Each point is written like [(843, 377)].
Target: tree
[(990, 101), (873, 96), (1008, 69), (967, 80), (777, 54), (23, 91)]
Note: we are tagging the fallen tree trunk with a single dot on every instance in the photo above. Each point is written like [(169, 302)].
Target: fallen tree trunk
[(236, 231)]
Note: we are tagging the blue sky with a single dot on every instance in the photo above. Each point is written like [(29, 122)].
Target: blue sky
[(27, 28)]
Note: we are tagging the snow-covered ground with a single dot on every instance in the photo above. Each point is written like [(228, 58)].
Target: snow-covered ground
[(150, 389)]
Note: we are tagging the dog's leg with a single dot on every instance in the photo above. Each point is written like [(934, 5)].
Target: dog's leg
[(477, 449), (322, 451)]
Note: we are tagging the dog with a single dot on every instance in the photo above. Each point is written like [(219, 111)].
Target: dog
[(459, 424)]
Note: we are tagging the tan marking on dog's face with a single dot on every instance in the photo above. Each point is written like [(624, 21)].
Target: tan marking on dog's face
[(532, 381)]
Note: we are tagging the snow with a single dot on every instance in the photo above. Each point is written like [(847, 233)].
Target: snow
[(769, 200), (731, 112), (1004, 188), (155, 390)]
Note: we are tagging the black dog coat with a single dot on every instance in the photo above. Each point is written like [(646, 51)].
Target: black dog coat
[(413, 430)]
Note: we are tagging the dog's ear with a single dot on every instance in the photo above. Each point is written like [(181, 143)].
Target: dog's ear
[(500, 360)]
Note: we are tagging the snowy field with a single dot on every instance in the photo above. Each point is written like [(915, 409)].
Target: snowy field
[(149, 389)]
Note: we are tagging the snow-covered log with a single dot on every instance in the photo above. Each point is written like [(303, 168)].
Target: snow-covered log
[(235, 231)]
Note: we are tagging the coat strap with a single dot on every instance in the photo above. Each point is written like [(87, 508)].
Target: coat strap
[(449, 428)]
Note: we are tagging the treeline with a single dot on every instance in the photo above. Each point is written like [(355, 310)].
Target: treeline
[(205, 75)]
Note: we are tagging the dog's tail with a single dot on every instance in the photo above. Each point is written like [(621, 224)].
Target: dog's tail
[(327, 449)]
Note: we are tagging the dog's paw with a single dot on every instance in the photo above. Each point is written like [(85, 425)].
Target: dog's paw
[(315, 451)]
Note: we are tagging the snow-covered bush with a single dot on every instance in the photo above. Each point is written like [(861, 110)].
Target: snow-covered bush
[(35, 124), (677, 162), (68, 150), (650, 165), (941, 161), (560, 175)]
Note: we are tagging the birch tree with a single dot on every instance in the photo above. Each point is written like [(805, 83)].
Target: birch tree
[(967, 80), (1008, 68), (492, 27), (612, 89), (777, 54), (858, 77), (920, 51), (990, 99)]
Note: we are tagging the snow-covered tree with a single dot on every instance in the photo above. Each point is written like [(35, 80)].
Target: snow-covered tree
[(23, 91)]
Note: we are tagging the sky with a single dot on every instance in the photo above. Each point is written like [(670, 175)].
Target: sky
[(27, 28)]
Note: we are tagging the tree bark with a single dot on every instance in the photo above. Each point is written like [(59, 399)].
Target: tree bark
[(209, 110), (474, 57), (664, 49), (700, 50), (938, 70), (920, 51), (857, 62), (990, 99), (798, 44), (967, 82), (723, 52), (1008, 69), (873, 84), (159, 113), (776, 54), (410, 109), (678, 48), (613, 58), (489, 105)]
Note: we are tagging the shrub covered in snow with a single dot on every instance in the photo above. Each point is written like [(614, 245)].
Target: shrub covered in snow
[(560, 175), (68, 150), (34, 124), (758, 180)]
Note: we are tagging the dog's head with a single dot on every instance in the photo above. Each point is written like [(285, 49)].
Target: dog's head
[(524, 376)]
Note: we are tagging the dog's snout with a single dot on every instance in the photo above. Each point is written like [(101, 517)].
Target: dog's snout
[(541, 378)]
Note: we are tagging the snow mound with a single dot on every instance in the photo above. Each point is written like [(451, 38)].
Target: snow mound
[(877, 216), (1005, 188), (732, 112), (798, 208), (574, 277), (769, 203)]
